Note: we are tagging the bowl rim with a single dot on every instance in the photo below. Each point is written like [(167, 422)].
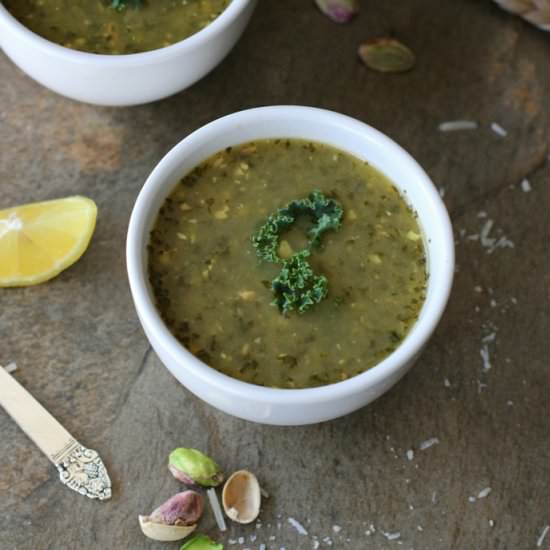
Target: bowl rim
[(150, 318), (223, 20)]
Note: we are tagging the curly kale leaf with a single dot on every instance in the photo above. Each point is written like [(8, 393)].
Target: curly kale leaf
[(297, 287), (325, 213), (266, 240)]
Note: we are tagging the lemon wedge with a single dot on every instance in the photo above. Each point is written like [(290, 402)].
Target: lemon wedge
[(39, 240)]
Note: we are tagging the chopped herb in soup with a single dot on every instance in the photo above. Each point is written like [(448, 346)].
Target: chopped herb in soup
[(218, 250), (115, 26)]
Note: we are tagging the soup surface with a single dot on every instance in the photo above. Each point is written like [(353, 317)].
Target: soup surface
[(215, 294), (97, 26)]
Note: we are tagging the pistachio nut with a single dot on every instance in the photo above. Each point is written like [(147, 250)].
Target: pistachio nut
[(340, 11), (193, 467), (201, 542), (184, 508), (175, 519), (386, 55)]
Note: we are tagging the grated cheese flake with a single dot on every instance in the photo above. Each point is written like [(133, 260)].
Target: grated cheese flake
[(540, 540), (485, 357), (498, 129), (454, 125), (429, 443), (216, 509), (298, 526), (10, 367), (484, 492)]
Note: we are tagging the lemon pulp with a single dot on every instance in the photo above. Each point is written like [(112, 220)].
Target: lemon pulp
[(39, 240)]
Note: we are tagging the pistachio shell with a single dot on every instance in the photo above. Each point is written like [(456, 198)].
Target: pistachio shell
[(340, 11), (386, 55), (241, 497), (163, 532)]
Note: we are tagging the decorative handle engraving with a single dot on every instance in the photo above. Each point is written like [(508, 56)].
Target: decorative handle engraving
[(83, 471), (79, 468)]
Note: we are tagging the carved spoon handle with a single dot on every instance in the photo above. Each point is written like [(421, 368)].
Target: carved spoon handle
[(79, 468)]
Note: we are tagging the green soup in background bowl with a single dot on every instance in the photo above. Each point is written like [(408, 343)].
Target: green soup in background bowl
[(113, 77), (113, 26)]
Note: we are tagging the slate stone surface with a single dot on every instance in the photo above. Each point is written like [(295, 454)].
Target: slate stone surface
[(82, 353)]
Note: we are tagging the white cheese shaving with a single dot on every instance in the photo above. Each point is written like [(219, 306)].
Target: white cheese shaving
[(454, 125), (487, 241), (498, 129), (298, 526), (502, 242), (525, 185), (484, 492), (216, 509), (491, 243), (10, 367), (410, 454), (428, 443), (485, 357), (392, 536), (540, 540)]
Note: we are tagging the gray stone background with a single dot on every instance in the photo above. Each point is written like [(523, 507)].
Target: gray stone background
[(80, 349)]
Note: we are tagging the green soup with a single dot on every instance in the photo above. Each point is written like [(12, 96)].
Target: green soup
[(97, 26), (215, 294)]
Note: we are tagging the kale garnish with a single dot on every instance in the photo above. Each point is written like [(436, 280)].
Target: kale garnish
[(297, 287)]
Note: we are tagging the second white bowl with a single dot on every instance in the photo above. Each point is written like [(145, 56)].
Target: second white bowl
[(119, 80)]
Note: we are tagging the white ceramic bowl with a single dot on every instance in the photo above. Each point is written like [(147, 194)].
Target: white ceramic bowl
[(301, 406), (124, 79)]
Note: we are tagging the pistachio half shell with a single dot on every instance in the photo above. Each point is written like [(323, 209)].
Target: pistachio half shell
[(163, 532), (174, 519), (242, 497), (387, 55)]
